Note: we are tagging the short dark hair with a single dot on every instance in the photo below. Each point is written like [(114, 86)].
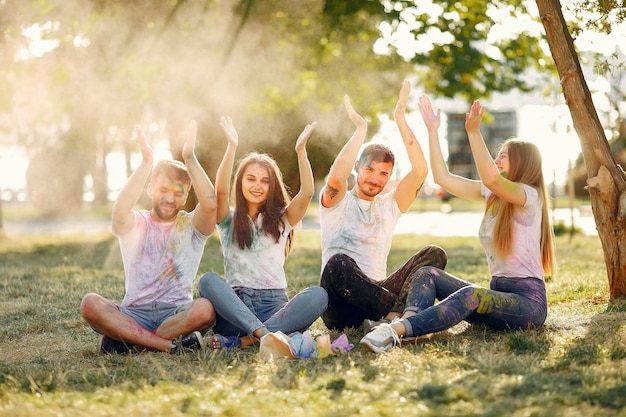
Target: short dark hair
[(377, 153), (172, 169)]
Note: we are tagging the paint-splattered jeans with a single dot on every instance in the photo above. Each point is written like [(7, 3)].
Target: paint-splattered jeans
[(510, 303), (353, 297), (240, 311)]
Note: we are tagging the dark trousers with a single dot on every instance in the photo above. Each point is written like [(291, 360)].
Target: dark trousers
[(354, 297)]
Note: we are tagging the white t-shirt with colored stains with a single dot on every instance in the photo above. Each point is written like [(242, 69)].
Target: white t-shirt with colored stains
[(525, 257), (361, 229), (261, 266), (161, 260)]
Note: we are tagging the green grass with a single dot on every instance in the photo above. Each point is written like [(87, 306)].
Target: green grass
[(573, 366)]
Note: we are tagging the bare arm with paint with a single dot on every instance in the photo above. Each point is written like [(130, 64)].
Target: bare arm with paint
[(123, 218), (225, 170), (299, 204), (205, 211), (454, 184), (411, 183), (336, 183), (488, 171)]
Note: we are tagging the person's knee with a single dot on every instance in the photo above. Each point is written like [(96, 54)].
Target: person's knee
[(320, 297), (89, 306), (335, 264), (204, 313), (426, 272), (338, 261), (207, 282), (438, 256)]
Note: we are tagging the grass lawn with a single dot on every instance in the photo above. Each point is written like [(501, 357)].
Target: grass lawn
[(573, 366)]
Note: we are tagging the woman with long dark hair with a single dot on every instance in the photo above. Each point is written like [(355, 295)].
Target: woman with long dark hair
[(256, 235)]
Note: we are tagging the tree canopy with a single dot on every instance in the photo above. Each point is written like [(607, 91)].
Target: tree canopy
[(81, 74)]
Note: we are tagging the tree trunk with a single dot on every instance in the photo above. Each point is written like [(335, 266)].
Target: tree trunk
[(1, 221), (606, 181)]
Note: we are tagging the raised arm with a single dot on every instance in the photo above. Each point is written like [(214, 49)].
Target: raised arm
[(225, 170), (411, 183), (488, 171), (123, 218), (454, 184), (205, 211), (299, 204), (336, 183)]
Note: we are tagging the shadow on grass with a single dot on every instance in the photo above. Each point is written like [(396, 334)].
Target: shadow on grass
[(578, 372)]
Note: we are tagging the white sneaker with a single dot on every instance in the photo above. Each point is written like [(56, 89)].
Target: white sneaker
[(382, 338)]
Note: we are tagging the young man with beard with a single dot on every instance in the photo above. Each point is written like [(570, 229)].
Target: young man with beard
[(357, 226), (161, 251)]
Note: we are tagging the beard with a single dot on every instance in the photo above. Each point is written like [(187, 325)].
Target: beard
[(166, 212), (369, 189)]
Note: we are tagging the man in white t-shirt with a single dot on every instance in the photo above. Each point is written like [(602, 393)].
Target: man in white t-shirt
[(357, 227), (161, 251)]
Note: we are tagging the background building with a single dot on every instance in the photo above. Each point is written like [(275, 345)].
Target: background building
[(460, 160)]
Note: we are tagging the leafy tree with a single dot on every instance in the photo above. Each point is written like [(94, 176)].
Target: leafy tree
[(274, 66), (465, 49)]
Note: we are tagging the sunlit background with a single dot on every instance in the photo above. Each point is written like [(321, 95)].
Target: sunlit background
[(540, 117)]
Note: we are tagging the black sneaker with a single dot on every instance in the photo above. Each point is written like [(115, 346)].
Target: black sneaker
[(192, 341), (108, 346)]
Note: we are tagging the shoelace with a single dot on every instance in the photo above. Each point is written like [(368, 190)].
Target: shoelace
[(390, 332)]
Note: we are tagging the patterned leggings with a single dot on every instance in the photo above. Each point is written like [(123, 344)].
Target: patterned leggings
[(510, 303)]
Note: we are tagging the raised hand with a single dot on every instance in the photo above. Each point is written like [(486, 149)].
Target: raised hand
[(403, 98), (304, 136), (431, 118), (474, 117), (229, 130), (146, 150), (356, 118), (189, 135)]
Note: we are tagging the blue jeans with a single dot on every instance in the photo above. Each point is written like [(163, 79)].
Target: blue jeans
[(151, 316), (240, 311), (510, 303)]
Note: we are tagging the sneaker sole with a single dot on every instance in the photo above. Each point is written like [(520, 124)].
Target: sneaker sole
[(374, 348), (201, 341)]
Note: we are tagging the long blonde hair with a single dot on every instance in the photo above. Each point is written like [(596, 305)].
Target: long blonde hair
[(524, 167)]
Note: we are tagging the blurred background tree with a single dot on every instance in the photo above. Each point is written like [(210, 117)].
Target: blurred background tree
[(78, 75)]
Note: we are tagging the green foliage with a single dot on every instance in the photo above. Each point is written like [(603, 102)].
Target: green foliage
[(473, 58), (560, 229), (274, 66), (574, 365)]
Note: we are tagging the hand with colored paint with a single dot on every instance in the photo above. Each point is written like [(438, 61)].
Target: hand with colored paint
[(432, 119), (474, 117), (356, 118), (229, 130), (189, 134), (403, 98), (146, 149), (304, 137)]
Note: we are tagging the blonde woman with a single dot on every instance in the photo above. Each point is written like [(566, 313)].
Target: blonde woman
[(515, 233)]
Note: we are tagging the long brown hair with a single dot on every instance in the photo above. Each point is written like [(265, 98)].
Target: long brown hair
[(524, 167), (273, 209)]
